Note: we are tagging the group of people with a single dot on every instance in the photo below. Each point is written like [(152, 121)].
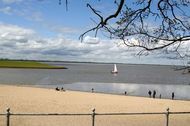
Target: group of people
[(150, 93), (59, 89), (160, 96)]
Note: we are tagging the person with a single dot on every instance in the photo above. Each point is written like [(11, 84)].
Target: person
[(154, 94), (149, 93), (160, 96), (173, 95), (57, 89), (62, 89), (125, 92), (92, 90)]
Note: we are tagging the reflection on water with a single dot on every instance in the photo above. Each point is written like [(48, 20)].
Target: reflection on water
[(181, 91), (136, 80)]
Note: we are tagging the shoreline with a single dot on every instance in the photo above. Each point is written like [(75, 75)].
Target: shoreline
[(84, 91), (87, 92)]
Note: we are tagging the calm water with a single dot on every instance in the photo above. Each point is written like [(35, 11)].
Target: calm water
[(135, 79)]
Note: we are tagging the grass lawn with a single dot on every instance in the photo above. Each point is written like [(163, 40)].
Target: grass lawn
[(27, 64)]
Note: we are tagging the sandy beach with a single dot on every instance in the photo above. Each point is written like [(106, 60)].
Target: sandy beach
[(38, 100)]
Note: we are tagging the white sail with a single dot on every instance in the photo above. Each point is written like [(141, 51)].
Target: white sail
[(114, 69)]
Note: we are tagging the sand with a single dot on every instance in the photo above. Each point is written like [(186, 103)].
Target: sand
[(38, 100)]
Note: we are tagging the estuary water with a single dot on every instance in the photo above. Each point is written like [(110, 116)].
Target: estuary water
[(136, 80)]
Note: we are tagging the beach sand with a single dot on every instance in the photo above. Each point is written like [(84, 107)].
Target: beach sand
[(38, 100)]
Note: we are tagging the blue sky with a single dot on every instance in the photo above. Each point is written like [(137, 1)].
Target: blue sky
[(43, 29), (43, 16)]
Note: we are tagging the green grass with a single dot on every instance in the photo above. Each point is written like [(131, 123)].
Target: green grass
[(27, 64)]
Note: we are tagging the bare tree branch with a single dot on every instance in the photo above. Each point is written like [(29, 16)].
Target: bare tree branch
[(155, 24), (103, 22)]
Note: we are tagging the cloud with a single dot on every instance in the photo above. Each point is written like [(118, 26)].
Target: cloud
[(29, 14), (14, 33), (23, 10), (91, 40), (22, 43), (35, 16), (6, 10), (10, 1), (61, 29)]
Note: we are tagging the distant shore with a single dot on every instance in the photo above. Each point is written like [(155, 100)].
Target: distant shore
[(39, 100), (91, 62), (27, 65)]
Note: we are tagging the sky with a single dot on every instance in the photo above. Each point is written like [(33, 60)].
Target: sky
[(44, 30)]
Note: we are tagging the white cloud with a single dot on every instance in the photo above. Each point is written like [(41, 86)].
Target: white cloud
[(22, 43), (13, 32), (91, 40)]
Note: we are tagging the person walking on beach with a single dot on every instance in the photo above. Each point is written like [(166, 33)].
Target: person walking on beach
[(149, 93), (125, 92), (62, 89), (173, 95), (154, 94), (160, 96), (92, 90)]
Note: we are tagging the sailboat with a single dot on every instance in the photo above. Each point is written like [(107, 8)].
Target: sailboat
[(114, 71)]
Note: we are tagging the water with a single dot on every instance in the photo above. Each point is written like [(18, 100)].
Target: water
[(181, 91), (135, 79)]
